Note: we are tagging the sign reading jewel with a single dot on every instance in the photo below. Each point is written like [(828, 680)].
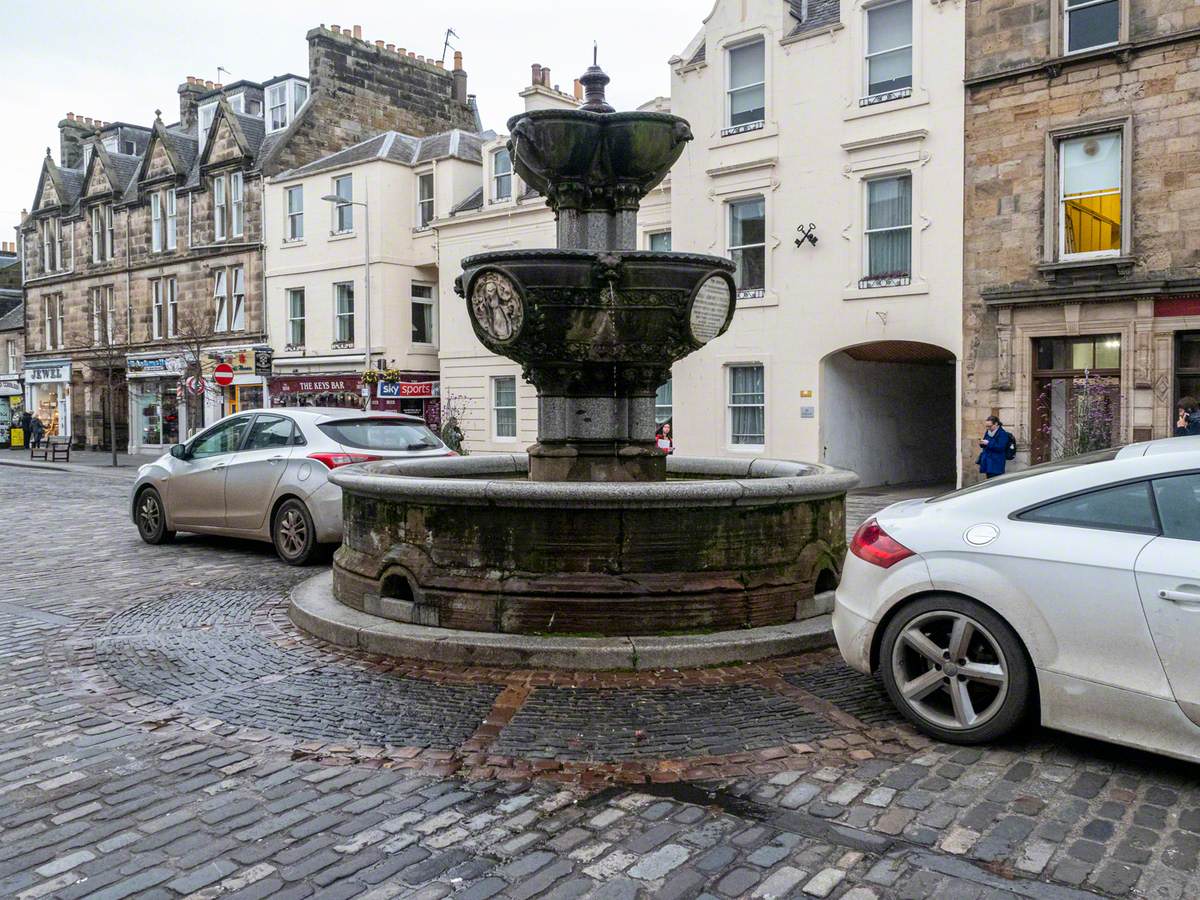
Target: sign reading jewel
[(710, 309)]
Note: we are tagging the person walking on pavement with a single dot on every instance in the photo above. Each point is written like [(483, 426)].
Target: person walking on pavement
[(1188, 417), (993, 448)]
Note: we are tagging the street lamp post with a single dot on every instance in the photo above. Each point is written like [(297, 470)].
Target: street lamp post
[(341, 201)]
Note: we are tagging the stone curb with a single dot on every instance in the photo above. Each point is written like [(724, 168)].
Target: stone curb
[(314, 609)]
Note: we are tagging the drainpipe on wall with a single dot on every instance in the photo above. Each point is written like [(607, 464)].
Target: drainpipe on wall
[(262, 266), (128, 342)]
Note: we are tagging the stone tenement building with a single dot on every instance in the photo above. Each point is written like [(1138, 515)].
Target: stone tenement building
[(1082, 220), (144, 242)]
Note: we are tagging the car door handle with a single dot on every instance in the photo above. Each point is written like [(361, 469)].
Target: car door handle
[(1187, 598), (220, 466), (274, 459)]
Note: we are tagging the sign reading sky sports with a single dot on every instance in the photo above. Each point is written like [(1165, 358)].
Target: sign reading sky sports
[(409, 389)]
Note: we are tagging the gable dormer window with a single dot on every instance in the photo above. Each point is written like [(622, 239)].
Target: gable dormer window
[(204, 120), (501, 175), (284, 99), (88, 149)]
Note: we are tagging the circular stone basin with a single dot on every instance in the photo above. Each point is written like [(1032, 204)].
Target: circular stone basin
[(469, 543)]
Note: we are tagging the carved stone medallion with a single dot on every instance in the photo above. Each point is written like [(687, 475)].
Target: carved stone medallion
[(710, 309), (497, 307)]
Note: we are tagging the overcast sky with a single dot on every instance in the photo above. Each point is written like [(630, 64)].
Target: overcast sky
[(121, 60)]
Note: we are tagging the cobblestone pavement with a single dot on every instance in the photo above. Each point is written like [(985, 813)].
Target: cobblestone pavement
[(165, 732)]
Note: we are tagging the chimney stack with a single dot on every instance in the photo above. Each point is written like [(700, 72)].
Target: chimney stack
[(460, 78), (537, 74), (358, 32), (578, 90), (189, 93), (73, 130)]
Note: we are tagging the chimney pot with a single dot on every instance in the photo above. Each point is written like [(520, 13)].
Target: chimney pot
[(420, 58), (412, 54), (219, 86), (335, 29), (401, 51), (578, 90), (391, 47), (537, 74), (457, 60), (358, 32), (546, 76), (208, 84), (379, 44), (70, 117), (439, 64)]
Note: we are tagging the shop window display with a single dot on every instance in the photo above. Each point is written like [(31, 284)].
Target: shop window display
[(157, 410)]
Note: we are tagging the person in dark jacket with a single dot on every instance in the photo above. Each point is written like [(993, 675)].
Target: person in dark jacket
[(37, 430), (993, 448), (1188, 417)]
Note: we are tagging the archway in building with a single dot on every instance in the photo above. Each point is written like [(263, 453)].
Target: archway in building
[(888, 412)]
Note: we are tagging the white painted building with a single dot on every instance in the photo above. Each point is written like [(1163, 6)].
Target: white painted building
[(843, 121), (390, 189)]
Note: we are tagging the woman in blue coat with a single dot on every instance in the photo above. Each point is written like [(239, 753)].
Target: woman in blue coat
[(993, 448)]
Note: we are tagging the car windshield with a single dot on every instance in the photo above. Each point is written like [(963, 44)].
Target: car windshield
[(1085, 459), (381, 434)]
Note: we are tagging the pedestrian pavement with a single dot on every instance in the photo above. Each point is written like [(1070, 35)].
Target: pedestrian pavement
[(80, 459), (165, 732)]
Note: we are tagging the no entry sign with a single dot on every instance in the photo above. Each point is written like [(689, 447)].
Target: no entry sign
[(223, 374)]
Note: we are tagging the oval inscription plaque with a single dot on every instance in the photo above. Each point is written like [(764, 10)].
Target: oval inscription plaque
[(710, 309)]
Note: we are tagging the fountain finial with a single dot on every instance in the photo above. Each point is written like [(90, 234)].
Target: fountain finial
[(593, 81)]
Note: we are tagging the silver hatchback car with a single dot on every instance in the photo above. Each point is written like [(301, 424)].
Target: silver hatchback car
[(264, 475)]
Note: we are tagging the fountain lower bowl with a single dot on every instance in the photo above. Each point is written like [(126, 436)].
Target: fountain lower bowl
[(469, 544)]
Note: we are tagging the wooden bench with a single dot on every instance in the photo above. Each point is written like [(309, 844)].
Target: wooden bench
[(55, 449)]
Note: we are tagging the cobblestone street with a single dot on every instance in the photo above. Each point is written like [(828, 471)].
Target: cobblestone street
[(165, 731)]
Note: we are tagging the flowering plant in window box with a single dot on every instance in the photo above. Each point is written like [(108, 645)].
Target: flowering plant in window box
[(387, 376)]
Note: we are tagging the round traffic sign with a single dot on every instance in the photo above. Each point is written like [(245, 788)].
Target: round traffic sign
[(223, 374)]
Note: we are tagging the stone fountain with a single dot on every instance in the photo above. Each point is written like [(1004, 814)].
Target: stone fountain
[(594, 531)]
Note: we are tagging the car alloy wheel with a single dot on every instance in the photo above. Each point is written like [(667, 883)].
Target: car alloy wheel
[(151, 518), (293, 532), (950, 670)]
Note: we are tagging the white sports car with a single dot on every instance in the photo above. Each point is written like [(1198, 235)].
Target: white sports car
[(1070, 589)]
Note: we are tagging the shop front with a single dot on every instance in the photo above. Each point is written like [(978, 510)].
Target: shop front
[(48, 394), (247, 369), (157, 415), (11, 405)]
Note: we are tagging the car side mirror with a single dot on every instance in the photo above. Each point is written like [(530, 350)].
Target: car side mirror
[(179, 451)]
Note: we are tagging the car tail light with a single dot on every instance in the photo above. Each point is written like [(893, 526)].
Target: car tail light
[(877, 547), (452, 453), (334, 460)]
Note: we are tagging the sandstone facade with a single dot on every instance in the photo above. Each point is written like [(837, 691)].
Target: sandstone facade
[(1024, 288)]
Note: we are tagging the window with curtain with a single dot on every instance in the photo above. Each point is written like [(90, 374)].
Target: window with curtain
[(295, 305), (172, 307), (295, 213), (747, 406), (221, 301), (747, 84), (218, 189), (1089, 24), (172, 219), (156, 329), (422, 314), (343, 210), (343, 304), (748, 243), (889, 47), (504, 406), (501, 175), (156, 222), (236, 204), (424, 199), (889, 228), (1090, 195), (238, 311)]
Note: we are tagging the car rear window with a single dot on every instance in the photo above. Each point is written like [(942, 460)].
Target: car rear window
[(1123, 507), (381, 434), (1040, 469)]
